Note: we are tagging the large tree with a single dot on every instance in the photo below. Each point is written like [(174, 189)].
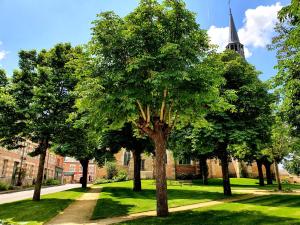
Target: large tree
[(151, 68), (243, 123), (40, 89), (287, 44), (126, 138)]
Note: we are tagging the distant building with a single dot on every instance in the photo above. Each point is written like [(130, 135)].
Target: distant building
[(178, 169), (12, 161), (73, 170)]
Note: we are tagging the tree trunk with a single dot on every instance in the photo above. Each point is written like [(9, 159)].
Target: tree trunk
[(203, 169), (160, 171), (225, 171), (137, 186), (85, 164), (277, 176), (260, 172), (268, 172), (39, 179)]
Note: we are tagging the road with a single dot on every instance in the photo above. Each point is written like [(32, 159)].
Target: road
[(16, 196)]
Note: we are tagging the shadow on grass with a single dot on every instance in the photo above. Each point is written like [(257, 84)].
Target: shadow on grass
[(119, 201), (275, 201), (39, 211), (216, 217), (219, 183), (107, 207)]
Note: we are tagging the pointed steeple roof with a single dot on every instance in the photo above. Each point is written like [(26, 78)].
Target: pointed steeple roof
[(233, 35), (234, 41)]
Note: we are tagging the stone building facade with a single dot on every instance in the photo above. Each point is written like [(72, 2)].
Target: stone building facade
[(180, 168), (12, 161)]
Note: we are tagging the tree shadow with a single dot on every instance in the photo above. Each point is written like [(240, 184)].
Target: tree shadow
[(275, 201), (216, 217), (107, 207), (119, 201)]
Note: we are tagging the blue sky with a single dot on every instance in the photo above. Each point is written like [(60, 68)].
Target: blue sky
[(37, 24)]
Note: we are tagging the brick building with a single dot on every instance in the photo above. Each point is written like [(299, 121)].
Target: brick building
[(73, 170), (12, 161)]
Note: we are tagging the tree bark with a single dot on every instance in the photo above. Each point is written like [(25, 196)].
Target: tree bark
[(260, 173), (277, 176), (268, 172), (85, 164), (203, 169), (160, 143), (225, 170), (137, 186), (39, 179)]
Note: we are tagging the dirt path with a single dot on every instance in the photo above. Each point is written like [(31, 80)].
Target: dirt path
[(80, 211)]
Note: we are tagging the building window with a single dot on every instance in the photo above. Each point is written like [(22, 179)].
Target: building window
[(142, 164), (72, 168), (126, 158), (4, 168), (185, 161)]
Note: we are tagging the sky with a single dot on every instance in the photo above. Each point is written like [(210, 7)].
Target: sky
[(38, 24)]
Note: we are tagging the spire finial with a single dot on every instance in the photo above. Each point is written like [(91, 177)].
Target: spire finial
[(229, 6)]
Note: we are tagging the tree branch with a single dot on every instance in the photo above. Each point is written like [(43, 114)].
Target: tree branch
[(163, 105), (141, 110), (148, 115)]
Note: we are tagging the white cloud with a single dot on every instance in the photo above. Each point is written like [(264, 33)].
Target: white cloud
[(257, 29), (2, 53)]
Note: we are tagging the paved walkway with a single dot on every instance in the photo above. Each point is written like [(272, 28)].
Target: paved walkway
[(16, 196), (80, 211)]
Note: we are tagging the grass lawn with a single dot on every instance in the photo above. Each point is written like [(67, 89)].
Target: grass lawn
[(34, 213), (266, 210), (118, 199)]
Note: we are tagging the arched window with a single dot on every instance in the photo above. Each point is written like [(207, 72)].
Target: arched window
[(126, 158)]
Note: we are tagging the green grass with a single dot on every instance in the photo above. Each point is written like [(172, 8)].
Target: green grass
[(34, 213), (266, 210), (118, 199)]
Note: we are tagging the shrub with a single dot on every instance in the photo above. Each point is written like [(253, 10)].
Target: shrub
[(52, 181), (121, 176), (102, 181), (3, 186), (111, 170)]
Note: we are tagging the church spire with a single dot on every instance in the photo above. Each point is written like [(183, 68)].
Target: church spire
[(234, 41)]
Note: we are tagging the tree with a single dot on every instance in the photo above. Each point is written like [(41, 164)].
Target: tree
[(126, 138), (287, 44), (3, 78), (78, 143), (187, 142), (150, 68), (243, 123), (281, 145), (40, 89), (292, 162)]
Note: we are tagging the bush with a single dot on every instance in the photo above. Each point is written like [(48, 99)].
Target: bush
[(102, 181), (52, 181), (121, 176), (4, 187), (111, 170)]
